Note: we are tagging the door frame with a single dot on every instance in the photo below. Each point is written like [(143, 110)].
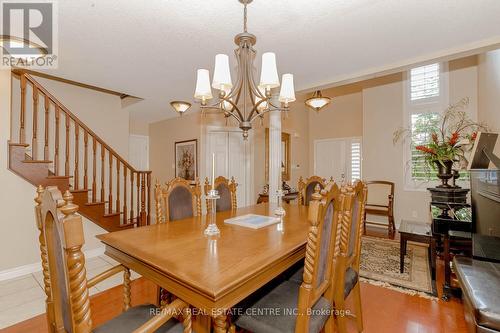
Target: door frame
[(249, 161), (146, 137)]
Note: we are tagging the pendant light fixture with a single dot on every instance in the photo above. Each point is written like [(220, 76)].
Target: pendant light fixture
[(317, 101)]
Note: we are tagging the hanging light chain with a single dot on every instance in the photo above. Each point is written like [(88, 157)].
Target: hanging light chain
[(245, 17)]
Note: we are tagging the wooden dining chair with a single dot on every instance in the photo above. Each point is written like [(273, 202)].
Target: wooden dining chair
[(380, 203), (306, 188), (346, 277), (65, 282), (227, 192), (177, 200), (313, 298)]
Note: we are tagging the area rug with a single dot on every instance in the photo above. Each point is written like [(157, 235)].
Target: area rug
[(380, 266)]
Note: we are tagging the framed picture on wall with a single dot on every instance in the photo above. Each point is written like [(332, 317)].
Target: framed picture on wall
[(186, 159)]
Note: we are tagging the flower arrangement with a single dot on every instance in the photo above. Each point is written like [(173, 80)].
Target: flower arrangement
[(186, 162), (449, 136)]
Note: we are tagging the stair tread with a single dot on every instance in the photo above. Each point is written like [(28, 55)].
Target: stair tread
[(18, 144), (96, 203), (112, 214), (36, 161), (59, 177), (80, 190)]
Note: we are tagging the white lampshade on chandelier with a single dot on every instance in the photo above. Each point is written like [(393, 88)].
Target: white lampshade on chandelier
[(245, 100)]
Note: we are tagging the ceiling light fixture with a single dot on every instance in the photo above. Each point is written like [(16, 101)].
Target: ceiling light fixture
[(317, 101), (10, 43), (180, 106), (247, 99)]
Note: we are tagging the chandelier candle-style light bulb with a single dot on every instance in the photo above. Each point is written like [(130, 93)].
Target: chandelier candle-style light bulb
[(269, 73), (203, 90), (222, 74), (287, 93)]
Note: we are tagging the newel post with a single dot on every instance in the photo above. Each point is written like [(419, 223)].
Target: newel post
[(143, 214)]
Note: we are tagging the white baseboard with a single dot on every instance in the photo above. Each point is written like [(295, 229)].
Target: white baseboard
[(15, 272)]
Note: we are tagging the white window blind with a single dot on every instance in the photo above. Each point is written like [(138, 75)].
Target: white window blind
[(355, 160), (424, 82)]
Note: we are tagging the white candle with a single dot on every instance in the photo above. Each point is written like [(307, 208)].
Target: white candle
[(213, 171)]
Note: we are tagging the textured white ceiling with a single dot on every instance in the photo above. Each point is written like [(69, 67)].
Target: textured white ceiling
[(152, 49)]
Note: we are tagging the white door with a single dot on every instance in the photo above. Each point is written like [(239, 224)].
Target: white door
[(338, 158), (231, 160), (138, 151)]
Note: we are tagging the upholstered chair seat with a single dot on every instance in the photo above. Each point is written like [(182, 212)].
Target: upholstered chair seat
[(305, 306), (132, 319), (66, 287), (284, 297)]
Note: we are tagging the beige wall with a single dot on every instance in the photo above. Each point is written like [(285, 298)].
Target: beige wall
[(139, 128), (342, 118), (163, 135), (489, 91), (100, 112)]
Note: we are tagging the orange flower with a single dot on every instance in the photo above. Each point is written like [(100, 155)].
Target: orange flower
[(426, 149), (453, 139), (473, 136), (435, 137)]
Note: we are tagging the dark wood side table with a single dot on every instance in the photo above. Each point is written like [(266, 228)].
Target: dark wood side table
[(416, 232), (286, 198)]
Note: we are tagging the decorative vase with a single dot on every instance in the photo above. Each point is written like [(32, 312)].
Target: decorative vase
[(444, 172)]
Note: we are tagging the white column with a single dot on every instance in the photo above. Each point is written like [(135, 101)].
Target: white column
[(274, 154)]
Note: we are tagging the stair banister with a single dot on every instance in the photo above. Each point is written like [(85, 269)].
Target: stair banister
[(142, 183)]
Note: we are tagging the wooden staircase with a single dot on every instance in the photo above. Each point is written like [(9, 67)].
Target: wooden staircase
[(109, 191)]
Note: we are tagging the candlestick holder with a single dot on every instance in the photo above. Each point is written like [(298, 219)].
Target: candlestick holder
[(279, 211), (212, 229)]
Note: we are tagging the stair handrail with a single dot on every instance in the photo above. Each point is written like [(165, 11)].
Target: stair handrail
[(80, 123), (143, 176)]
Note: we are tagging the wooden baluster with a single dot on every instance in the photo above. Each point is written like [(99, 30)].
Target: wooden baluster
[(56, 143), (66, 162), (143, 199), (117, 185), (94, 167), (85, 160), (46, 127), (149, 198), (110, 193), (76, 181), (102, 173), (22, 136), (138, 198), (34, 141), (131, 194), (125, 194)]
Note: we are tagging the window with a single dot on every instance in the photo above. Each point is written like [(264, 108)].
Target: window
[(355, 160), (424, 82), (421, 125), (426, 97)]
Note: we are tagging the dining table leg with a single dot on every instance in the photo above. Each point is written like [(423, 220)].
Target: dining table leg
[(220, 323)]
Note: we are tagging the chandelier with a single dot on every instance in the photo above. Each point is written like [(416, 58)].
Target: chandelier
[(245, 100)]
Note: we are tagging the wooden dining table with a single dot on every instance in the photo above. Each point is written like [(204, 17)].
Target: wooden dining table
[(212, 274)]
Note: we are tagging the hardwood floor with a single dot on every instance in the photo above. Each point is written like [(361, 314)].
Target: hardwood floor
[(384, 310)]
